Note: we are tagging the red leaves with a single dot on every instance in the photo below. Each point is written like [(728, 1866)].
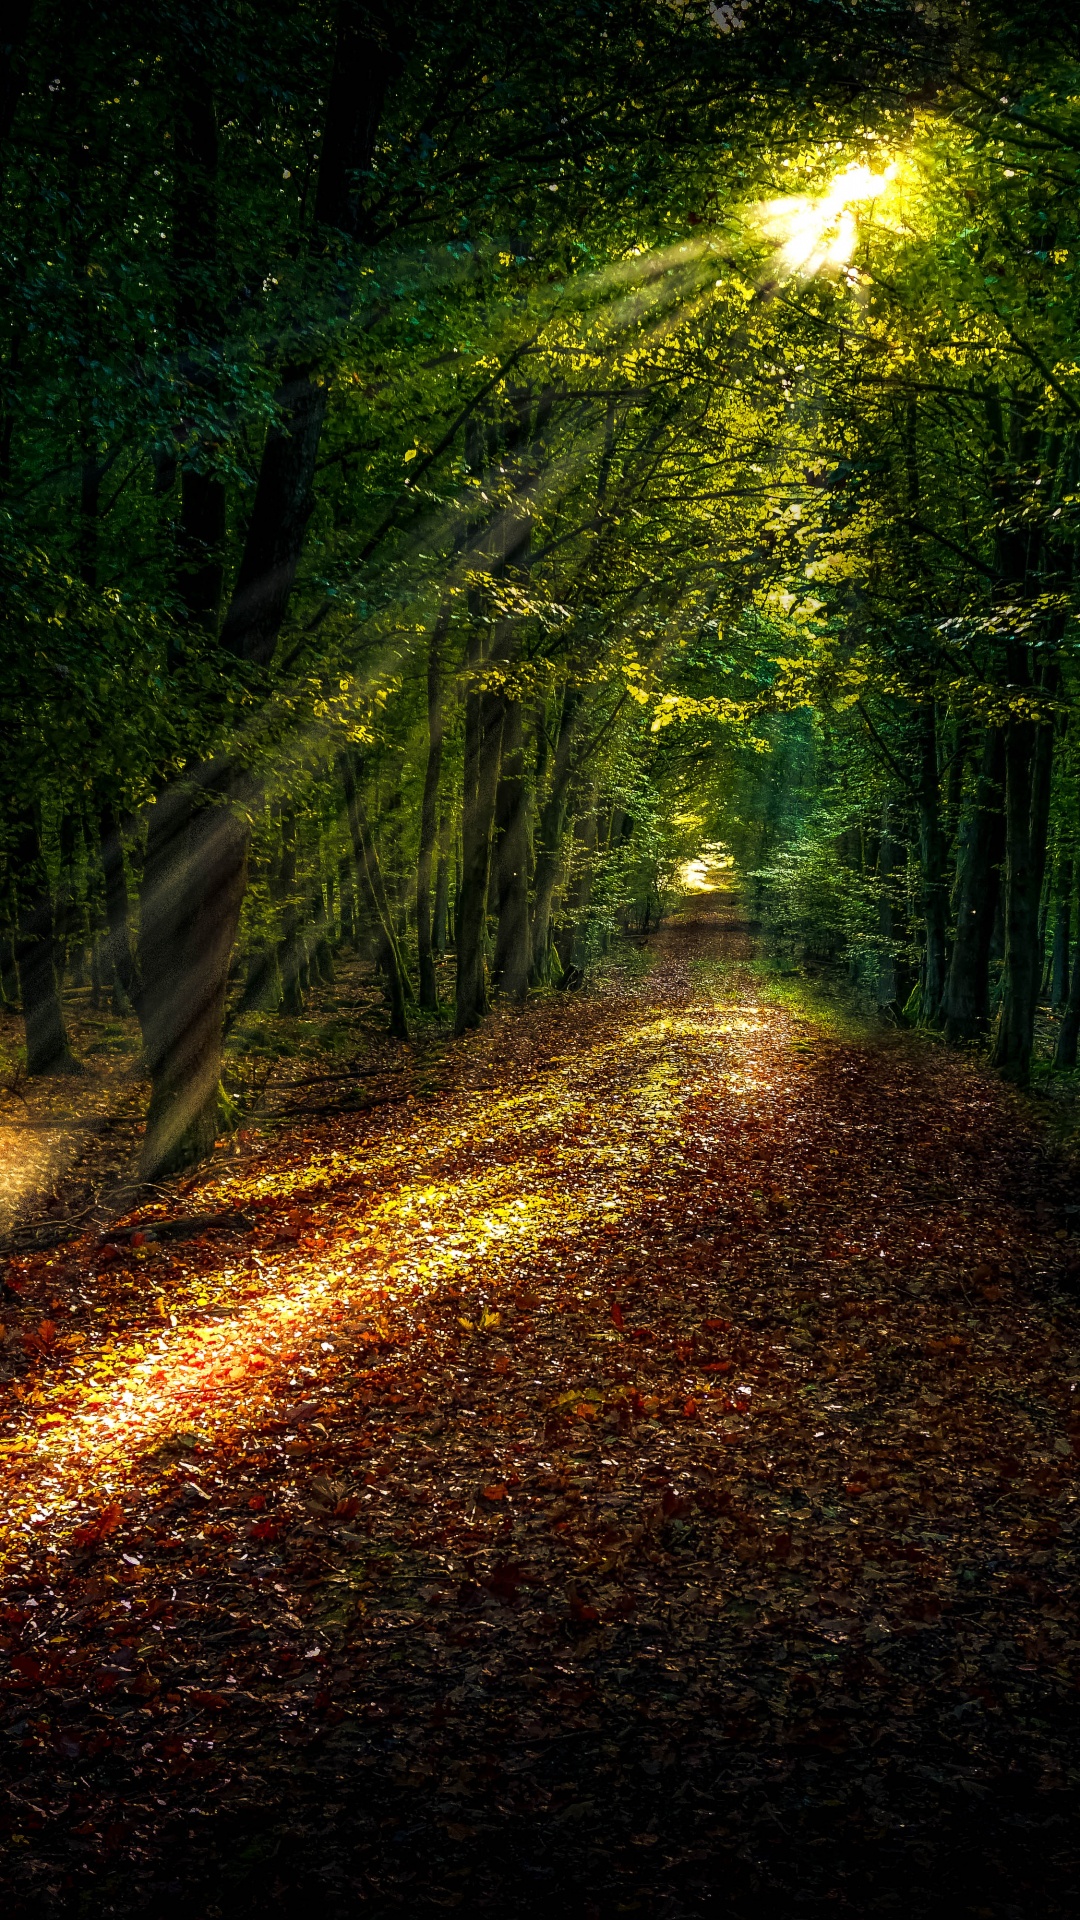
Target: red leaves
[(504, 1581), (43, 1336), (581, 1613), (92, 1532), (494, 1493), (718, 1366), (266, 1530), (617, 1315)]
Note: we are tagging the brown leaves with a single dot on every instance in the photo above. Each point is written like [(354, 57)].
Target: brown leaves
[(92, 1532), (714, 1438)]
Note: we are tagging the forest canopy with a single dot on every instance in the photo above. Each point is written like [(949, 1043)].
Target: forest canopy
[(457, 463)]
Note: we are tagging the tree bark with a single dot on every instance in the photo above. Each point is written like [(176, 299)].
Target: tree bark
[(48, 1050), (201, 532), (1062, 942), (510, 965), (429, 991), (193, 888), (120, 957), (184, 957), (350, 931), (66, 905), (1029, 750), (934, 884), (289, 950), (966, 1005), (570, 943), (887, 985), (1069, 1030), (549, 837), (369, 875), (483, 745), (442, 931)]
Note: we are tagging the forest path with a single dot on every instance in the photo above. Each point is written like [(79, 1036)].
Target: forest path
[(641, 1474)]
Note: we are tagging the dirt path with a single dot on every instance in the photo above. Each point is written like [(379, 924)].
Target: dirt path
[(641, 1476)]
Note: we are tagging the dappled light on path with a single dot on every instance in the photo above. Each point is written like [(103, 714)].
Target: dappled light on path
[(664, 1419)]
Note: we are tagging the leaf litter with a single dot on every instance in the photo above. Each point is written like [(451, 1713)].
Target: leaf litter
[(644, 1474)]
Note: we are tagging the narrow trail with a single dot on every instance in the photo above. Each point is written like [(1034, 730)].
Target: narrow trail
[(641, 1475)]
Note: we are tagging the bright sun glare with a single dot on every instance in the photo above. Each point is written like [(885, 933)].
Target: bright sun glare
[(816, 232)]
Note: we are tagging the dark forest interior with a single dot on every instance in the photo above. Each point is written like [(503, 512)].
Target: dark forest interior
[(539, 958)]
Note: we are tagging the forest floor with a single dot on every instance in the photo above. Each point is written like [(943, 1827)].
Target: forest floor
[(638, 1472)]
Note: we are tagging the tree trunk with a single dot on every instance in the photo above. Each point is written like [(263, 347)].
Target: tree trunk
[(1028, 764), (350, 930), (966, 1005), (1059, 953), (549, 837), (290, 954), (483, 744), (322, 954), (193, 888), (9, 975), (369, 875), (429, 991), (121, 960), (570, 940), (47, 1048), (201, 533), (184, 983), (934, 885), (1069, 1030), (510, 966), (887, 987), (66, 906), (441, 932)]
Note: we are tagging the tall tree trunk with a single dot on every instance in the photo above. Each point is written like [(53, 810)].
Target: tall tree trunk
[(510, 966), (201, 532), (887, 861), (193, 888), (1069, 1030), (9, 975), (429, 991), (549, 839), (1059, 953), (966, 1005), (47, 1047), (934, 884), (1029, 750), (66, 906), (350, 930), (290, 955), (121, 959), (369, 875), (193, 823), (441, 931), (483, 745), (570, 941)]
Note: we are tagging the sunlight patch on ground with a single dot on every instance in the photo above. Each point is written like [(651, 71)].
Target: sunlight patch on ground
[(575, 1161)]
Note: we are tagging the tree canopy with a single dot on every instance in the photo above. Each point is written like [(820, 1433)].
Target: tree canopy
[(453, 469)]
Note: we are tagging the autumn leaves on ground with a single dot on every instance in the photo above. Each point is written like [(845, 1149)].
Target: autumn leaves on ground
[(642, 1476)]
